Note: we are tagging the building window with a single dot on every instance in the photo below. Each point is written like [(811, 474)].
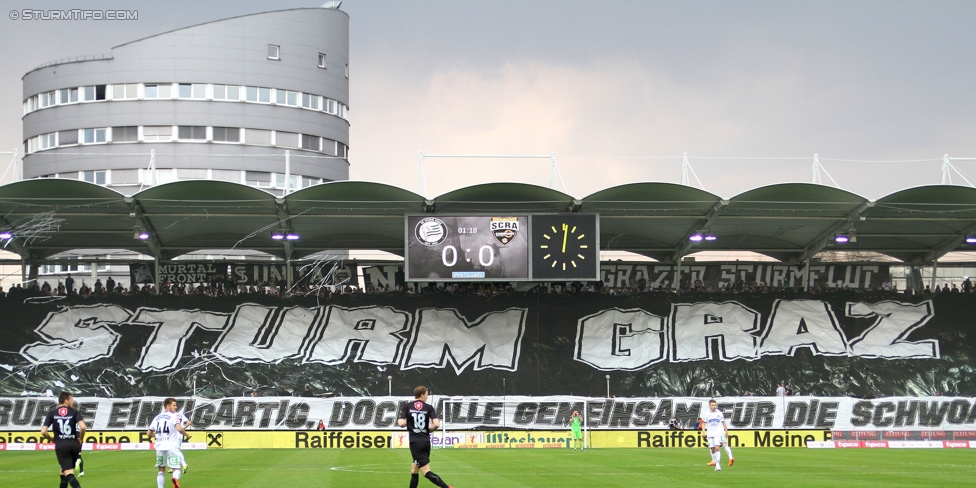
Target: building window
[(47, 141), (329, 146), (285, 97), (94, 136), (322, 60), (273, 51), (232, 175), (96, 177), (125, 134), (310, 101), (192, 133), (257, 137), (286, 139), (310, 143), (257, 178), (125, 176), (280, 181), (226, 134), (256, 94), (67, 137), (128, 91), (94, 92), (307, 182), (162, 133), (158, 91), (68, 95), (227, 92), (191, 174), (193, 90)]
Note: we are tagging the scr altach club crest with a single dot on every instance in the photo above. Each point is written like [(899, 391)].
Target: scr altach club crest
[(431, 231), (504, 228)]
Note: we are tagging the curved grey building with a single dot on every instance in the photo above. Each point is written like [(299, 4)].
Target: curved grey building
[(224, 100)]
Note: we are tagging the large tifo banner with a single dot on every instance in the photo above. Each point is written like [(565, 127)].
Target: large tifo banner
[(514, 412), (841, 344)]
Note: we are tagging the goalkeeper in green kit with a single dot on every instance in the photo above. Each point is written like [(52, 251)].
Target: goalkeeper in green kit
[(576, 423)]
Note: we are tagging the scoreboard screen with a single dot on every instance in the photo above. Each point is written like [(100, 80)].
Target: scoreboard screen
[(467, 248)]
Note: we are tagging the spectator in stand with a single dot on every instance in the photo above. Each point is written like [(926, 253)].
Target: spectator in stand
[(789, 390), (945, 288), (46, 288), (69, 284), (641, 282), (98, 286), (780, 391), (886, 286), (307, 393), (954, 289)]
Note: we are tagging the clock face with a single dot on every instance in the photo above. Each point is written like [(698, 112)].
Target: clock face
[(565, 247)]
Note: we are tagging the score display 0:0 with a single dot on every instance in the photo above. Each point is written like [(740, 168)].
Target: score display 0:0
[(454, 255)]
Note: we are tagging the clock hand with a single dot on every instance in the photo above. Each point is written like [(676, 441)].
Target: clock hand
[(565, 234)]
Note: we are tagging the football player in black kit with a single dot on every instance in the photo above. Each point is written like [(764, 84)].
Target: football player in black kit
[(69, 431), (420, 419)]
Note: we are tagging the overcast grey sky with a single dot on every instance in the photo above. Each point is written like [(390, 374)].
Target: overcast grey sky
[(610, 85)]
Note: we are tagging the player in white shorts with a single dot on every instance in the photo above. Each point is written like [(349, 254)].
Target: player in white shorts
[(185, 422), (168, 433), (716, 430)]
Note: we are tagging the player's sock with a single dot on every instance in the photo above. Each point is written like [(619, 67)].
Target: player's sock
[(414, 480), (64, 481), (176, 473), (435, 479), (72, 481), (160, 480), (728, 450), (81, 466), (717, 457)]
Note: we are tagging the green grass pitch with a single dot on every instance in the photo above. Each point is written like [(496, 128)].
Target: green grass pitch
[(507, 468)]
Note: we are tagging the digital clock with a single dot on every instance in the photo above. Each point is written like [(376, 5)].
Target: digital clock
[(467, 248)]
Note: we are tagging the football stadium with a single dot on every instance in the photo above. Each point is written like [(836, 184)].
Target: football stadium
[(239, 313)]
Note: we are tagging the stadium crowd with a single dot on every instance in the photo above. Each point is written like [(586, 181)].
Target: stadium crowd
[(219, 285)]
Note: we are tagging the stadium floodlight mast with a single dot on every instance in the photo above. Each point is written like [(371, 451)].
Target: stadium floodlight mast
[(608, 386), (389, 378)]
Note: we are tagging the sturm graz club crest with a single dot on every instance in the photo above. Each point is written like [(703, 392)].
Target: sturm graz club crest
[(504, 228), (431, 231)]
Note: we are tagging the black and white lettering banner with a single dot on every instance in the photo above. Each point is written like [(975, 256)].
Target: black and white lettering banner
[(513, 412), (842, 344), (313, 273), (657, 275)]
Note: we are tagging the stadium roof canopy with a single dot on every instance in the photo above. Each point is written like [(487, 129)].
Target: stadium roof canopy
[(790, 222)]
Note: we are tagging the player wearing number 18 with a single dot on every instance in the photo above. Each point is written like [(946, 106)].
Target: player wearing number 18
[(168, 433), (420, 419), (69, 432)]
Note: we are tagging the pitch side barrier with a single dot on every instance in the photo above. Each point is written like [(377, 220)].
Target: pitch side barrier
[(510, 421)]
